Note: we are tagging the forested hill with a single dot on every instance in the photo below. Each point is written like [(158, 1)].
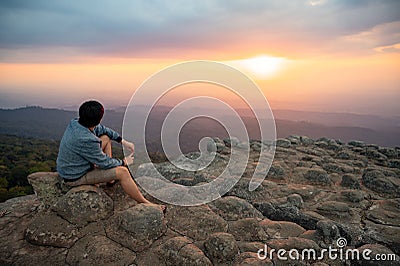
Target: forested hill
[(35, 122), (45, 123), (20, 157)]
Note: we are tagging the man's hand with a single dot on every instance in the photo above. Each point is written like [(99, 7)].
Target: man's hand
[(128, 145), (129, 159)]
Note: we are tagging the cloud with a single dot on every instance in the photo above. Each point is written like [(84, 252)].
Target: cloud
[(146, 28), (381, 38), (389, 48)]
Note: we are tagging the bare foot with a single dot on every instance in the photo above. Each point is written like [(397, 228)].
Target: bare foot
[(161, 207)]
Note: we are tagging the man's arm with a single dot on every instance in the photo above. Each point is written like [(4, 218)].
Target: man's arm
[(128, 145), (103, 130), (91, 151)]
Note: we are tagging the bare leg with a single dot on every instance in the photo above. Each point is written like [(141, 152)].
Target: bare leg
[(123, 175), (131, 188), (129, 185), (106, 145)]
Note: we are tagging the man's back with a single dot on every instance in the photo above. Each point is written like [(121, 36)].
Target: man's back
[(70, 163), (80, 149)]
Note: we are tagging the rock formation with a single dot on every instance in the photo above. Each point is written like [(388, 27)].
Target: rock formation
[(316, 192)]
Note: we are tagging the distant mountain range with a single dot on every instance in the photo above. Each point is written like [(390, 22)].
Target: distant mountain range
[(44, 123), (47, 123)]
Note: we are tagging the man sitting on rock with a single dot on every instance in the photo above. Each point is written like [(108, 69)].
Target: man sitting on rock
[(85, 155)]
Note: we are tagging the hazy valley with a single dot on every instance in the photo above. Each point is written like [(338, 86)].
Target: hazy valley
[(46, 123)]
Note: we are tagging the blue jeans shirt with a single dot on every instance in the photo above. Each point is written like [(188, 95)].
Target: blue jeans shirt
[(80, 149)]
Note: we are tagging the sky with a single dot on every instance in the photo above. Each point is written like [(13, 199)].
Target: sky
[(313, 55)]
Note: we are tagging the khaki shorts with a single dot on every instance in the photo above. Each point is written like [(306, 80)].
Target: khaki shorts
[(95, 176)]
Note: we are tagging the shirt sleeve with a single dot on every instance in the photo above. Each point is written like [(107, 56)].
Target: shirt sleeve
[(103, 130), (91, 151)]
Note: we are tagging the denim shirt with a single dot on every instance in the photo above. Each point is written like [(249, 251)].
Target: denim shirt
[(80, 149)]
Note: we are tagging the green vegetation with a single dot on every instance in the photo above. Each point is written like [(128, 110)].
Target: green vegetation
[(20, 157)]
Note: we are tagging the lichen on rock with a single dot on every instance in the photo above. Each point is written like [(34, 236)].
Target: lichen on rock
[(84, 204), (138, 227)]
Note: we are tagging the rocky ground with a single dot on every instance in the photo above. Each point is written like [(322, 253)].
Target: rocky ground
[(316, 192)]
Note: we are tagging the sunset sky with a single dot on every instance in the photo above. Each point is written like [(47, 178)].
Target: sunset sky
[(318, 55)]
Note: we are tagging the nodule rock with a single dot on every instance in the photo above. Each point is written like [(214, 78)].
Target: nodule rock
[(317, 191)]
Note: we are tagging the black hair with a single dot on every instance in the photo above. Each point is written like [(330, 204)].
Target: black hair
[(90, 113)]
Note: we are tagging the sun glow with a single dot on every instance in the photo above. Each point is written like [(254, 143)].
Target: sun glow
[(262, 67)]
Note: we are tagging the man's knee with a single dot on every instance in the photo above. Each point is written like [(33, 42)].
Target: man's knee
[(122, 172), (105, 138)]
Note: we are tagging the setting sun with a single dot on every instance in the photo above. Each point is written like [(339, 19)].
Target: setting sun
[(261, 67)]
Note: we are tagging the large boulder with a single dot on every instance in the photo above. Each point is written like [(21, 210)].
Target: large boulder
[(241, 190), (290, 213), (356, 143), (138, 227), (84, 204), (384, 234), (181, 251), (334, 209), (284, 143), (221, 247), (99, 250), (196, 222), (377, 181), (352, 196), (48, 229), (281, 229), (247, 229), (276, 171), (16, 215), (232, 208), (329, 231), (385, 212), (350, 181), (317, 176), (46, 186)]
